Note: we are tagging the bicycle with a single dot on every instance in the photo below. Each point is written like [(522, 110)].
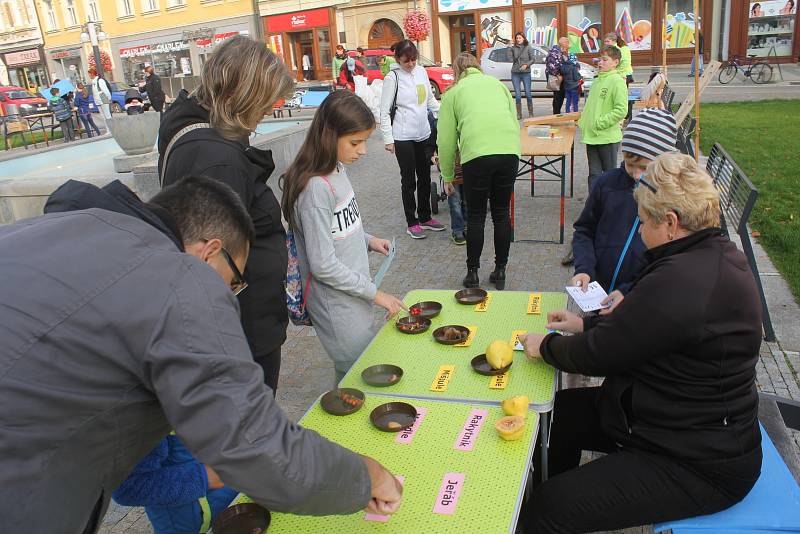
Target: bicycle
[(759, 71)]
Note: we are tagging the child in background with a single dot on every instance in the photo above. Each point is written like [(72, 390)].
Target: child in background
[(606, 243), (606, 106), (332, 246), (455, 201), (572, 82), (62, 111), (180, 495), (82, 101)]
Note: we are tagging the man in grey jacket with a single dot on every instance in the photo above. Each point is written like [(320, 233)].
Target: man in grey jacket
[(118, 323)]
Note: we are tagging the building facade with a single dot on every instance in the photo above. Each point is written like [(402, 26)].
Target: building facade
[(21, 46), (172, 36)]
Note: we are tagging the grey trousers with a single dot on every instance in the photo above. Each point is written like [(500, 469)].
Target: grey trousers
[(602, 158)]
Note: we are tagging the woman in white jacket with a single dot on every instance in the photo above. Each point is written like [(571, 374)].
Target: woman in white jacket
[(405, 102)]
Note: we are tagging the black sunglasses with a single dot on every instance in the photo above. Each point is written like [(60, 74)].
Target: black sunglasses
[(238, 284)]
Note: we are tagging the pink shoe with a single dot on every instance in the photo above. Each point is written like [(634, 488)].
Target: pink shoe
[(416, 232)]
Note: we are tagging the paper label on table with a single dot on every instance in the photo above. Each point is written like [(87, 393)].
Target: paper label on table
[(590, 299), (379, 517), (469, 434), (442, 378), (387, 262), (484, 304), (448, 494), (405, 436), (535, 304), (498, 381), (467, 342), (515, 339)]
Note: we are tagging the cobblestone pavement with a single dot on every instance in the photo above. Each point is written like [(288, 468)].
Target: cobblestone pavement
[(436, 263)]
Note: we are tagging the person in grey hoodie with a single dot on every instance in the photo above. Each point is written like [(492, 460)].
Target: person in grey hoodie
[(332, 246), (118, 323), (522, 55)]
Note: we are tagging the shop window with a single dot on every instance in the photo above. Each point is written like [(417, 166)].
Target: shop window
[(93, 10), (633, 23), (541, 26), (70, 16), (324, 45), (125, 8), (771, 27), (584, 29), (680, 24), (495, 29), (462, 21), (149, 6)]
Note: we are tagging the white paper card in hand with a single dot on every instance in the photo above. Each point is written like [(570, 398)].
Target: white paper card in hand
[(387, 262), (589, 300)]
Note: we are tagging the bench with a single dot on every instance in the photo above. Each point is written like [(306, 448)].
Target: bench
[(737, 198), (772, 505), (685, 133)]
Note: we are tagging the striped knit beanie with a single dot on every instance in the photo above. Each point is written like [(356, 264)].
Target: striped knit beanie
[(651, 133)]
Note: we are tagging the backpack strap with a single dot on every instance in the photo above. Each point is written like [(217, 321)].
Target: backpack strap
[(183, 131)]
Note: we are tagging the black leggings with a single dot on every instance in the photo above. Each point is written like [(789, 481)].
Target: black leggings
[(627, 487), (489, 178), (415, 173)]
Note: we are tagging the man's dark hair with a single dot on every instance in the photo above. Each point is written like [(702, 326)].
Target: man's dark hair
[(360, 51), (54, 91), (204, 208)]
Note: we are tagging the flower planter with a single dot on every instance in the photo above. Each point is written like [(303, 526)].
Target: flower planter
[(135, 134)]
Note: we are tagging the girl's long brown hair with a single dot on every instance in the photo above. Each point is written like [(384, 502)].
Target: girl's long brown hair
[(341, 113)]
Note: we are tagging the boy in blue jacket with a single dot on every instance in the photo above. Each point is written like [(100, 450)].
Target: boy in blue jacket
[(606, 243), (62, 111), (572, 82), (180, 495)]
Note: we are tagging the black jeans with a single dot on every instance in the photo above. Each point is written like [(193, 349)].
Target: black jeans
[(558, 99), (415, 174), (271, 364), (602, 158), (489, 178), (627, 487)]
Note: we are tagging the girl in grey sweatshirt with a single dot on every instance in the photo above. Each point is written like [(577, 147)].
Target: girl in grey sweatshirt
[(332, 246)]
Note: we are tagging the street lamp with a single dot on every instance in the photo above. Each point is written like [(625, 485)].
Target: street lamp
[(91, 32)]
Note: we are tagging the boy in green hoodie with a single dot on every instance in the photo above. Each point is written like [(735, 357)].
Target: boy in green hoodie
[(606, 106)]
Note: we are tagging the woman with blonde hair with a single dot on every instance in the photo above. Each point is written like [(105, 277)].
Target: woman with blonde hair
[(677, 411), (478, 119), (206, 133)]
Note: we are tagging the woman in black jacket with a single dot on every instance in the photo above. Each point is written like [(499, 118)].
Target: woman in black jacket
[(677, 412), (206, 134)]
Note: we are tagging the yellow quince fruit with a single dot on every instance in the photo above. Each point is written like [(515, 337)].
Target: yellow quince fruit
[(499, 354), (511, 427), (516, 405)]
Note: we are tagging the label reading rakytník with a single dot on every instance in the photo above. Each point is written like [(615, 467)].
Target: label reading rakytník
[(469, 434)]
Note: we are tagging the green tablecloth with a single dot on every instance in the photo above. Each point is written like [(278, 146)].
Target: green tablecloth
[(494, 470), (420, 356)]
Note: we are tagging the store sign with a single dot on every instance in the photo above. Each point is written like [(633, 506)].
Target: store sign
[(299, 20), (26, 57), (158, 48), (64, 54), (218, 38), (467, 5)]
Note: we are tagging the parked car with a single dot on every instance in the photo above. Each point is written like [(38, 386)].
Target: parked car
[(497, 62), (441, 77), (27, 103), (118, 90)]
